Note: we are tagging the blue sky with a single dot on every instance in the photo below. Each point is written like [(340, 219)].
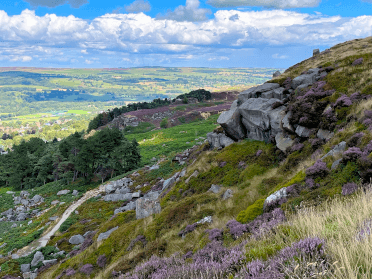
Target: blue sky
[(184, 33)]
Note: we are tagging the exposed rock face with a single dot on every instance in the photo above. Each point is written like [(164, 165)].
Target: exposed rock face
[(303, 131), (146, 207), (219, 140), (305, 79), (282, 193), (276, 74), (231, 122), (256, 92), (316, 52), (228, 194), (25, 268), (337, 150), (118, 197), (260, 120), (283, 142), (215, 189), (324, 134)]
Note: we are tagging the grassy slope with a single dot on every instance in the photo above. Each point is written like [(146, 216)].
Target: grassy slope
[(336, 219)]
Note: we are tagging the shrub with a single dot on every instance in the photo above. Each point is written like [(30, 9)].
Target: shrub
[(251, 212), (86, 269), (352, 154), (355, 139), (357, 62), (343, 101), (349, 188), (319, 169), (236, 229), (215, 234), (297, 147), (101, 261), (164, 123)]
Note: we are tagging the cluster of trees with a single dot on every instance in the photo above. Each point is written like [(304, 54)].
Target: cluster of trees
[(36, 162), (200, 94), (106, 117)]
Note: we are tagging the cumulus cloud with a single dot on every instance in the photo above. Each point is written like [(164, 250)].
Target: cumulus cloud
[(87, 61), (278, 4), (55, 3), (190, 12), (138, 6), (278, 56)]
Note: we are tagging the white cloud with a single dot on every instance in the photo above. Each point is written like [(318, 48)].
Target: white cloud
[(190, 12), (138, 6), (84, 51), (55, 3), (126, 59), (218, 58), (279, 4), (87, 61), (23, 58), (186, 56), (278, 56)]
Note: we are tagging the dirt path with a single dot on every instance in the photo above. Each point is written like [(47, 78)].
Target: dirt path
[(43, 240)]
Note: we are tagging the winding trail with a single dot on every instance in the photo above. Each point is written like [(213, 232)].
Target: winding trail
[(43, 240)]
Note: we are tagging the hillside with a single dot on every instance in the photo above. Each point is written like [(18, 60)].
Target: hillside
[(277, 186)]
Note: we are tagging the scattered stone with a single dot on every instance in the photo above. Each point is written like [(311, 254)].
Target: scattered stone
[(76, 212), (324, 134), (215, 189), (15, 256), (10, 192), (205, 220), (195, 174), (106, 235), (14, 225), (38, 199), (136, 194), (154, 167), (38, 257), (53, 218), (54, 202), (76, 239), (337, 150), (63, 192), (146, 207), (303, 131), (118, 197), (75, 193), (51, 262), (336, 164), (228, 194), (25, 268)]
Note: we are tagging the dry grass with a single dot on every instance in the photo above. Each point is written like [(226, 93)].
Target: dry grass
[(338, 221)]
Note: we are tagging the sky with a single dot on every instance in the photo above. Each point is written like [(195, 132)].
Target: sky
[(177, 33)]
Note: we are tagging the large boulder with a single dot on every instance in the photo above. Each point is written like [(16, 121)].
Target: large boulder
[(230, 121), (146, 207), (259, 118), (38, 199), (22, 217), (25, 268), (305, 79), (256, 92), (303, 131), (282, 193), (285, 122)]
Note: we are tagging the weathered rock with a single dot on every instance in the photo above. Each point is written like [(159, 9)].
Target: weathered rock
[(54, 202), (183, 172), (75, 193), (219, 140), (337, 150), (154, 167), (14, 225), (285, 122), (15, 256), (136, 194), (53, 218), (170, 182), (152, 195), (22, 216), (38, 198), (118, 197), (215, 189), (228, 194), (256, 92), (146, 207), (106, 235), (230, 121), (259, 118), (25, 268), (305, 79), (324, 134), (276, 74), (24, 194), (10, 192), (54, 261), (122, 190), (76, 239), (282, 193), (86, 233), (3, 245), (63, 192), (110, 188), (303, 131), (283, 142), (336, 164), (316, 52), (25, 202), (205, 220), (38, 257)]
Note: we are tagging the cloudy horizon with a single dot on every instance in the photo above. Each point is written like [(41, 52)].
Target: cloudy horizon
[(191, 33)]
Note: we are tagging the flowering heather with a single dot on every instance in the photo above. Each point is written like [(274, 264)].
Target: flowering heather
[(188, 255), (355, 139), (352, 154), (293, 190), (101, 261), (343, 101), (266, 222), (298, 146), (259, 152), (215, 234), (367, 149), (274, 204), (356, 97), (368, 113), (139, 238), (367, 122), (319, 169), (365, 230), (86, 269), (188, 229), (236, 229), (357, 62), (287, 261), (349, 188), (67, 272), (310, 183)]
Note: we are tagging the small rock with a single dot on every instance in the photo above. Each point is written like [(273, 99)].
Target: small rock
[(54, 261), (63, 192), (106, 235), (195, 174), (54, 202), (336, 164), (207, 219), (228, 194), (15, 256), (303, 131), (25, 268), (76, 239), (14, 225), (38, 257), (86, 233), (75, 193), (3, 245), (215, 189), (53, 218), (316, 52)]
